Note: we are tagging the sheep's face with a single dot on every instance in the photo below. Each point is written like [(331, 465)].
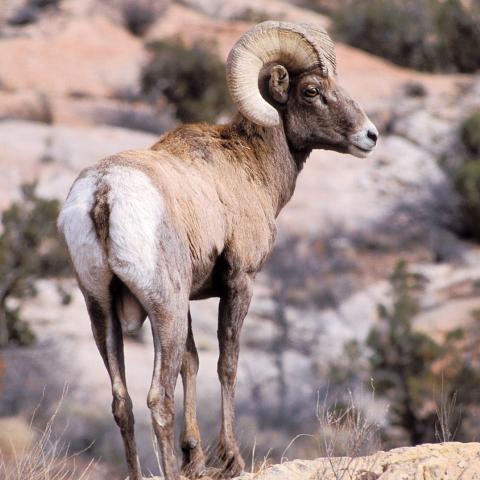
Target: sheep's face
[(318, 113)]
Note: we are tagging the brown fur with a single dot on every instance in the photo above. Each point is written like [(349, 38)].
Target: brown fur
[(100, 215)]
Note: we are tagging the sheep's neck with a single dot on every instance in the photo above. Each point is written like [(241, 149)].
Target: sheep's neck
[(276, 165)]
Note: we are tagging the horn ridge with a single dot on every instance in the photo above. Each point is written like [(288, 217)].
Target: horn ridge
[(297, 47)]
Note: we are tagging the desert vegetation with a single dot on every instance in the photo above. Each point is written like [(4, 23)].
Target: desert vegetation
[(47, 458), (29, 249), (467, 177), (192, 79), (29, 11), (138, 16), (442, 37), (426, 382), (420, 376)]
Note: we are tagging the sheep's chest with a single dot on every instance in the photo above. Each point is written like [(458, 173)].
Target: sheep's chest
[(244, 253)]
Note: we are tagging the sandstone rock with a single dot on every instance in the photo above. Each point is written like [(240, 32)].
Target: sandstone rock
[(257, 11), (400, 164), (25, 105), (76, 59), (398, 176), (125, 114), (422, 128), (54, 155), (448, 461), (221, 24), (360, 73), (192, 27), (8, 8), (221, 30), (450, 295), (68, 110)]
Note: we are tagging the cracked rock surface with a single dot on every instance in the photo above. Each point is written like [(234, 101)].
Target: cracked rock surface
[(446, 461)]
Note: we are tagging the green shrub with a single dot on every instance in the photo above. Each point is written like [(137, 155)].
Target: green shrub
[(29, 12), (467, 179), (415, 89), (43, 3), (470, 133), (19, 331), (23, 15), (458, 30), (422, 34), (467, 184), (411, 369), (193, 80), (326, 7), (139, 15), (29, 249)]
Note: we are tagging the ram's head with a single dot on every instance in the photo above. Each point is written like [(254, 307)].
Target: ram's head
[(280, 72)]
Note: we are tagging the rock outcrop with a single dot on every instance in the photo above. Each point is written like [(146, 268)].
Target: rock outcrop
[(73, 59), (447, 461)]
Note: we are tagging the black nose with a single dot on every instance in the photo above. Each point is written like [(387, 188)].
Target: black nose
[(372, 135)]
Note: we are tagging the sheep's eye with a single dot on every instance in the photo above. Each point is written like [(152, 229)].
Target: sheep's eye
[(311, 92)]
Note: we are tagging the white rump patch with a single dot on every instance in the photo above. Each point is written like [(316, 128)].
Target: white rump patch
[(136, 210), (75, 223)]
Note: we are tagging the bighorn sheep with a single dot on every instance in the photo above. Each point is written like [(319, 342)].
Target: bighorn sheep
[(194, 217)]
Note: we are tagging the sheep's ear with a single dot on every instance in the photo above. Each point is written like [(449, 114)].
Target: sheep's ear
[(279, 83)]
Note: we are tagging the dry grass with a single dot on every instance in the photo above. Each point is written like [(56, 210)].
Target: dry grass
[(346, 430), (448, 415), (344, 435), (259, 466), (46, 458)]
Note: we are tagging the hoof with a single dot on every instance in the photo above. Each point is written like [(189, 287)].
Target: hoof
[(192, 472), (193, 460), (229, 463), (212, 473)]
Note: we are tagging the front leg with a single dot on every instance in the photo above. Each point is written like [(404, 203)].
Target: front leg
[(232, 310)]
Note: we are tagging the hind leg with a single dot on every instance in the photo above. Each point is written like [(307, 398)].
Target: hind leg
[(193, 457), (108, 337), (169, 329), (85, 222)]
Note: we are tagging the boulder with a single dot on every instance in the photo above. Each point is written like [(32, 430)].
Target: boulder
[(445, 461)]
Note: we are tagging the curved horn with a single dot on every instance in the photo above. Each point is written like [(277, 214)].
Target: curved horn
[(325, 44), (297, 47)]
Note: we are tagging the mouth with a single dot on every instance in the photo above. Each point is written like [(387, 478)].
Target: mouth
[(366, 150), (363, 142), (361, 152)]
